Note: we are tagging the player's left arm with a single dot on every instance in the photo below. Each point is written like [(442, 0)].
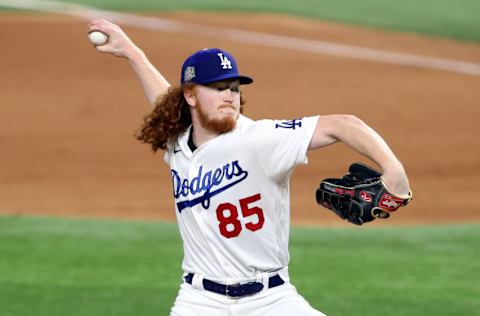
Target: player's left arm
[(353, 132)]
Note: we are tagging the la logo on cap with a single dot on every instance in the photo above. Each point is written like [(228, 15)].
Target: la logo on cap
[(224, 61)]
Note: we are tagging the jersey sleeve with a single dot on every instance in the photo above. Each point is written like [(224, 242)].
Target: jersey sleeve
[(282, 145)]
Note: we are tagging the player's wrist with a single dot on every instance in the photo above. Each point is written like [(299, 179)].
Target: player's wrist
[(396, 182), (135, 55)]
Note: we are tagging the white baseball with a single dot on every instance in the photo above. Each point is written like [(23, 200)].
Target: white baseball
[(98, 38)]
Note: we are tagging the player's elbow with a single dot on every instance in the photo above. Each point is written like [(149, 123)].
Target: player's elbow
[(349, 119)]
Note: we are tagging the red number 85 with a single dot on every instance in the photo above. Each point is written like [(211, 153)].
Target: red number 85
[(229, 224)]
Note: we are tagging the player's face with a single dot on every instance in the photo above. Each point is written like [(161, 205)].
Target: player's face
[(218, 105)]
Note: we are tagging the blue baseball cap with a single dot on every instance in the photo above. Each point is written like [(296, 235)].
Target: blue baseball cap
[(210, 65)]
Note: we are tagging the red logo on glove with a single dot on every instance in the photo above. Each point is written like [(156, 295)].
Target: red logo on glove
[(366, 196), (344, 191), (389, 202)]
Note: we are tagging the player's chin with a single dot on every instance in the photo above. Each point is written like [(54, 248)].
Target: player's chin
[(224, 125)]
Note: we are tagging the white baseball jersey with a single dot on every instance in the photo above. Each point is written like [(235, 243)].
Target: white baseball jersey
[(232, 197)]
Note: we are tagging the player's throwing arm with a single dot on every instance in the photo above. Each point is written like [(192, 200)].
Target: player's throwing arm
[(110, 38)]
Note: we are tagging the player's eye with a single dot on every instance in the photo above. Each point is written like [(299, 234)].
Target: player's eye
[(235, 89), (222, 86)]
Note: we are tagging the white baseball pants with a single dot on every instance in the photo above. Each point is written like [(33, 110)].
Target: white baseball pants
[(283, 300)]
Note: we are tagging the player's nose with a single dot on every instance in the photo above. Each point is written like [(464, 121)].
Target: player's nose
[(229, 96)]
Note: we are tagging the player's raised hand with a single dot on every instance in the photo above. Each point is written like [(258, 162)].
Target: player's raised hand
[(118, 44)]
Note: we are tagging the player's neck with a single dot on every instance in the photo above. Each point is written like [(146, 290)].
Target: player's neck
[(202, 135)]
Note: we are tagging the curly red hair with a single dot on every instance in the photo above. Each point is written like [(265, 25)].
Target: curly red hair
[(169, 118)]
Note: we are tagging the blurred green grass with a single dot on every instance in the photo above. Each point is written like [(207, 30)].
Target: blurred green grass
[(55, 266), (455, 19)]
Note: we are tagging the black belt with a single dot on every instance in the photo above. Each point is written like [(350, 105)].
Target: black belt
[(236, 290)]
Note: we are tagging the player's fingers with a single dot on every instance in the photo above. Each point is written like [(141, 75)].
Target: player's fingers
[(101, 25), (104, 49), (96, 27), (108, 49), (99, 22), (379, 213), (94, 23)]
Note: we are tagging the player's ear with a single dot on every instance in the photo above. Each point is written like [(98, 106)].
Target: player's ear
[(189, 95)]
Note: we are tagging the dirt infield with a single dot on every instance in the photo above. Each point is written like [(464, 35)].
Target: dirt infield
[(68, 114)]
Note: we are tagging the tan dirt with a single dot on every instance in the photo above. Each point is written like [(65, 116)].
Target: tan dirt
[(68, 113)]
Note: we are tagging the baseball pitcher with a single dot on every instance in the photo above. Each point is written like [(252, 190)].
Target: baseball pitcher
[(230, 177)]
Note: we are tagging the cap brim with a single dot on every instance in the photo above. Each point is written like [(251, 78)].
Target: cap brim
[(245, 80), (242, 79)]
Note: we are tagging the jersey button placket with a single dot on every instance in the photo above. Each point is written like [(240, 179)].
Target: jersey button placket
[(192, 174)]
